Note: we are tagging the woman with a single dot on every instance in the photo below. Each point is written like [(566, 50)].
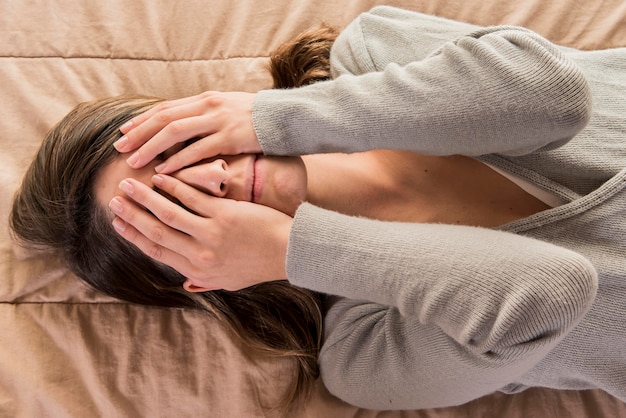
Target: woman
[(416, 331), (442, 100)]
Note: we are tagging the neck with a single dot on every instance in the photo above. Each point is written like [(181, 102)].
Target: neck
[(372, 184), (408, 187)]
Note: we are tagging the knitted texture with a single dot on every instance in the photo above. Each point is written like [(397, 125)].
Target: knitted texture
[(434, 315)]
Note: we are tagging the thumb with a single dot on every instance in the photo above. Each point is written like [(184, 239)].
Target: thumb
[(193, 199)]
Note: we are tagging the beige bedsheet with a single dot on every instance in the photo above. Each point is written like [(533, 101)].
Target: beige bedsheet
[(67, 351)]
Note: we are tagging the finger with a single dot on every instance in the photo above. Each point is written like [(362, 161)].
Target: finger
[(167, 212), (137, 130), (165, 128), (177, 131), (160, 132), (157, 252), (201, 149), (147, 225), (199, 202), (139, 119)]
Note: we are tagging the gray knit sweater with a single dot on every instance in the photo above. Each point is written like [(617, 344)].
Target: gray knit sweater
[(432, 315)]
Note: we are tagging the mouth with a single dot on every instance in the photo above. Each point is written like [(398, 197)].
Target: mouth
[(253, 181), (257, 178)]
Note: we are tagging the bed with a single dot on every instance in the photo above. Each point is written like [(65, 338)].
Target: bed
[(68, 351)]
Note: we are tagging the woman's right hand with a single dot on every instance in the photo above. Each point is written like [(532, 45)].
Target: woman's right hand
[(216, 243), (221, 121)]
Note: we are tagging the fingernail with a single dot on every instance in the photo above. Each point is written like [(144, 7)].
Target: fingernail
[(157, 180), (132, 160), (159, 167), (127, 125), (115, 205), (121, 143), (127, 187), (119, 224)]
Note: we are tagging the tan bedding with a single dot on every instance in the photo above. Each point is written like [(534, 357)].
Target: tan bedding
[(67, 351)]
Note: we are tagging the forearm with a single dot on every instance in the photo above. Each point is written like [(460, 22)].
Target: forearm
[(465, 308), (496, 90), (456, 277)]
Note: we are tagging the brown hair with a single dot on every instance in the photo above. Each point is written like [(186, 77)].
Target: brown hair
[(56, 208), (304, 60)]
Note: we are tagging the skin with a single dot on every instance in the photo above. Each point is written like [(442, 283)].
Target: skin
[(196, 240), (277, 182), (225, 225), (229, 245), (223, 121)]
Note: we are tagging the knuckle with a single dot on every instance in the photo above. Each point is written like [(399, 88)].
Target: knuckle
[(168, 216), (130, 234), (189, 199), (128, 215), (213, 100), (164, 115), (174, 127), (155, 252), (206, 259), (170, 186), (156, 234), (163, 106)]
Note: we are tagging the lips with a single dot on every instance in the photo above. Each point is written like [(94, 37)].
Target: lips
[(257, 179), (252, 178)]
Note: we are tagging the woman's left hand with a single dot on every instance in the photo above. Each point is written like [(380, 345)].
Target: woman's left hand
[(220, 121), (225, 244)]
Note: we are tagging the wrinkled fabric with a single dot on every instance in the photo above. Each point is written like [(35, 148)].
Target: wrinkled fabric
[(68, 351)]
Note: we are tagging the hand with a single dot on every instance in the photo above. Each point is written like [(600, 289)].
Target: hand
[(226, 244), (222, 121)]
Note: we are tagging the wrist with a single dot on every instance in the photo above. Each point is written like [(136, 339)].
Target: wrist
[(283, 230)]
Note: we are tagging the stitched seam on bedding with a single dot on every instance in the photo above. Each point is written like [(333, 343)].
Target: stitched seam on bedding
[(91, 303), (243, 57), (7, 302)]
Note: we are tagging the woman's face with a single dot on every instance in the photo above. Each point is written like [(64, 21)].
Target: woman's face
[(277, 182)]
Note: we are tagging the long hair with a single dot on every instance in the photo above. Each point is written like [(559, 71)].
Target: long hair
[(304, 60), (56, 208)]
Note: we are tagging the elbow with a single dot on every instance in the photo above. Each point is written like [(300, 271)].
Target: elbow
[(574, 293), (564, 91), (570, 101), (555, 82), (564, 291), (554, 301), (547, 89)]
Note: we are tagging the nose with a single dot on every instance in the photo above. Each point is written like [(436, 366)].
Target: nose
[(212, 177)]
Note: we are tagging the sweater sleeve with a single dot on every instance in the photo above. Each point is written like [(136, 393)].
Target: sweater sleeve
[(433, 315), (399, 85)]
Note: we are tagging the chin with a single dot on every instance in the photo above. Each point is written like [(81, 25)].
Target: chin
[(285, 185)]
